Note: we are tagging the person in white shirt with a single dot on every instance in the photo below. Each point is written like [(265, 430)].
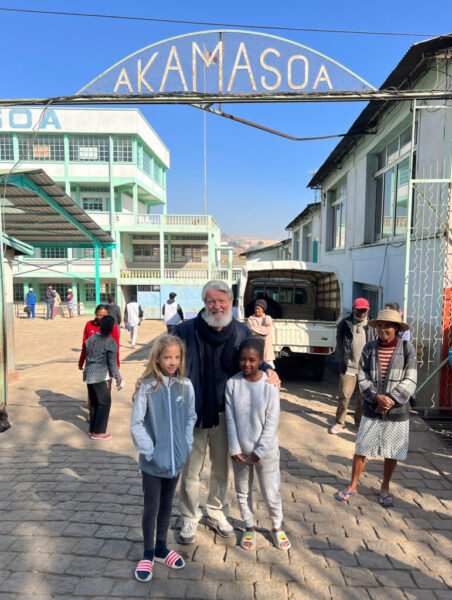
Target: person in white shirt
[(132, 317), (172, 313)]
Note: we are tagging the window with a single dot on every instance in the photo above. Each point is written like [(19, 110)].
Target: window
[(372, 293), (53, 252), (93, 203), (18, 292), (392, 182), (106, 290), (41, 147), (146, 253), (122, 149), (147, 163), (6, 147), (336, 217), (189, 253), (89, 148), (306, 253), (284, 294), (89, 253), (296, 245), (157, 172)]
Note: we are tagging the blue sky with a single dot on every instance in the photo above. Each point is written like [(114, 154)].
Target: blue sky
[(256, 182)]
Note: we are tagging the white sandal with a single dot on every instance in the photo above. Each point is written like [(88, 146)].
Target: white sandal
[(279, 537)]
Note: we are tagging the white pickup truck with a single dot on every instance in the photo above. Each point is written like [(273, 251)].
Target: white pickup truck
[(304, 301)]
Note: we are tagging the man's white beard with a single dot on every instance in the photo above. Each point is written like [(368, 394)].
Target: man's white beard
[(210, 319)]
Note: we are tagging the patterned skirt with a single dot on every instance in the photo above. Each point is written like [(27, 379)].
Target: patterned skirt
[(377, 437)]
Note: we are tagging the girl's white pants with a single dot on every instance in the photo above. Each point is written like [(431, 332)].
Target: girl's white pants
[(269, 477)]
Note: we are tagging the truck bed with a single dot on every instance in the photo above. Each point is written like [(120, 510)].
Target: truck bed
[(303, 336)]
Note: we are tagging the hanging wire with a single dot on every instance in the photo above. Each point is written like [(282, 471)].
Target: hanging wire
[(215, 24)]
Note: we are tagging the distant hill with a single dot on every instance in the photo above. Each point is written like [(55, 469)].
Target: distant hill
[(243, 243)]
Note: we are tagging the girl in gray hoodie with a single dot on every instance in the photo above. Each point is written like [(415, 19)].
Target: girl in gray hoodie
[(252, 416), (163, 418)]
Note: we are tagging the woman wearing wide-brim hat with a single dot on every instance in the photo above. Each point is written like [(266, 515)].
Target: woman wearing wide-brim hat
[(387, 379)]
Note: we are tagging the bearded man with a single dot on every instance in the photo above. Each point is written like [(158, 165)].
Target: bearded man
[(212, 340)]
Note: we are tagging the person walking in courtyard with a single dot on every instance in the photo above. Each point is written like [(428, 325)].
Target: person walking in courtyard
[(262, 326), (57, 305), (212, 340), (133, 314), (101, 365), (50, 301), (90, 329), (114, 311), (163, 417), (30, 300), (387, 379), (252, 417), (70, 302), (352, 334), (172, 313)]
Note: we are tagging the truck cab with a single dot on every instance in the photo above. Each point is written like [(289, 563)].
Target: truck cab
[(304, 301)]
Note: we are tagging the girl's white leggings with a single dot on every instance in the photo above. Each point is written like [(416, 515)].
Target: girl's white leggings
[(269, 477)]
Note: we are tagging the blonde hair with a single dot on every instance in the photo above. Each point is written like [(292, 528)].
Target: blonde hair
[(152, 368)]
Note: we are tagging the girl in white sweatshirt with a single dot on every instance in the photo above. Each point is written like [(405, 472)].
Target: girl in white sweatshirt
[(252, 416)]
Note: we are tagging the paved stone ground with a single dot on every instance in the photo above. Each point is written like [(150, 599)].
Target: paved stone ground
[(71, 507)]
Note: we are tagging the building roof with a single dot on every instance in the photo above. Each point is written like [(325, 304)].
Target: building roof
[(263, 248), (37, 211), (18, 246), (413, 64), (307, 212)]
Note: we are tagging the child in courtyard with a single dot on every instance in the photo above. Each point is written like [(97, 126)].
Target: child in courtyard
[(163, 418), (252, 416), (100, 354)]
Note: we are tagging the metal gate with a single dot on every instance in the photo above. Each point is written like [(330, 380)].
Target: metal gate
[(428, 274)]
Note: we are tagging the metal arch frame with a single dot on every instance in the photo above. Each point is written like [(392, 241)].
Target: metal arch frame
[(242, 31), (200, 98)]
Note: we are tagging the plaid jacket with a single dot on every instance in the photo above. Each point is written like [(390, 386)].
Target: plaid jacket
[(400, 383)]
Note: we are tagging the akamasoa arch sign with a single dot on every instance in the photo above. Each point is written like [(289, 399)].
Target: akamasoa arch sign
[(227, 63)]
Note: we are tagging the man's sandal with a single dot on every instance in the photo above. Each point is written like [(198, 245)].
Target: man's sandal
[(344, 496), (144, 569), (171, 560), (279, 538), (248, 537)]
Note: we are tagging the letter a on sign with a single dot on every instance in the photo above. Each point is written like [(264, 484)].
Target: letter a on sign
[(173, 54), (246, 67), (123, 79)]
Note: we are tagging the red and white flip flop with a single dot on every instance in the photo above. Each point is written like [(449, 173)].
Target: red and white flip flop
[(171, 559), (143, 567)]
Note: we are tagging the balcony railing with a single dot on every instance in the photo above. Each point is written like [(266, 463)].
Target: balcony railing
[(223, 274), (176, 220)]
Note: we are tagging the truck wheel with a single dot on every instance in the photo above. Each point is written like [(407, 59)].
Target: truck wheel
[(317, 367)]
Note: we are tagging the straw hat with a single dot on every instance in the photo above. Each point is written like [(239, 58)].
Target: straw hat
[(392, 316)]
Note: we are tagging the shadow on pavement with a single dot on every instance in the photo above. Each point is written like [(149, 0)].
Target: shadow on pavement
[(64, 408)]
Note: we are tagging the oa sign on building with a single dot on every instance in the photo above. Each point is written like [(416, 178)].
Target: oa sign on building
[(225, 62)]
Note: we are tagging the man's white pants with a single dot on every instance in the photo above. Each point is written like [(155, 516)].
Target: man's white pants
[(133, 334), (269, 477), (190, 490)]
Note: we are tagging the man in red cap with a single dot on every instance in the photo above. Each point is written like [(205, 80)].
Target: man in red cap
[(353, 332)]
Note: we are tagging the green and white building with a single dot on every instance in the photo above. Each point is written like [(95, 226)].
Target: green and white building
[(114, 165)]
